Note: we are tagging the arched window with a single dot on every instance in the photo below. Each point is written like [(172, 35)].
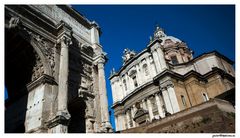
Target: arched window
[(174, 60), (125, 84), (183, 101), (133, 75), (135, 81), (205, 97), (145, 69)]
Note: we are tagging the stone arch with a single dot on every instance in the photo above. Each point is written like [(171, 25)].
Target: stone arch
[(24, 56)]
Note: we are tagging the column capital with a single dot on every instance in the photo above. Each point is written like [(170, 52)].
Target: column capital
[(150, 96), (170, 85), (166, 84), (100, 63), (144, 100), (101, 58), (126, 110), (157, 93), (66, 40), (163, 88)]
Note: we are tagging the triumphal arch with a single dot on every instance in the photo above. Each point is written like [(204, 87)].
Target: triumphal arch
[(54, 71)]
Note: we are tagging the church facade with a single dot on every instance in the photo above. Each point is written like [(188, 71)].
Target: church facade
[(54, 71), (165, 79)]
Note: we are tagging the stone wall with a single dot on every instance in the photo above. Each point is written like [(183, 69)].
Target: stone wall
[(214, 116)]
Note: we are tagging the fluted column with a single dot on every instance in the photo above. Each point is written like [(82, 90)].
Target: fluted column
[(132, 113), (150, 109), (116, 122), (103, 94), (120, 122), (166, 100), (144, 104), (162, 104), (159, 106), (128, 119)]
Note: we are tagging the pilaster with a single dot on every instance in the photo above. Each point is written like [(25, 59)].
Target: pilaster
[(162, 61), (173, 98), (156, 61), (167, 100)]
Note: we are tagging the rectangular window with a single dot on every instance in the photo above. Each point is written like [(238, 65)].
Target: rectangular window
[(205, 97), (125, 85), (135, 81), (183, 101), (145, 69), (174, 60)]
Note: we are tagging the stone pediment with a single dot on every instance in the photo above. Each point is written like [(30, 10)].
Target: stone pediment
[(141, 116)]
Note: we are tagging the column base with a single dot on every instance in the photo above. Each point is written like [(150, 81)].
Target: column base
[(59, 123), (106, 127)]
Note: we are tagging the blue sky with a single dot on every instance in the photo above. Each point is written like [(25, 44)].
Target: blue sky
[(204, 28)]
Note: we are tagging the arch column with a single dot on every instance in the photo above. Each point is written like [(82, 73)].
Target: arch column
[(59, 124), (103, 94)]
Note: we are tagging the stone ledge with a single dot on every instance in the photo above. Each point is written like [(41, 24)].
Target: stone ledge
[(215, 112), (41, 80)]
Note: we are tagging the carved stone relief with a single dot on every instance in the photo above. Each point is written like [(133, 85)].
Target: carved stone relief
[(38, 69), (47, 48)]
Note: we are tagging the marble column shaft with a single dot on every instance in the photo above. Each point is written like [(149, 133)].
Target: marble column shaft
[(167, 100), (159, 106), (63, 77), (132, 113), (149, 104), (103, 92)]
